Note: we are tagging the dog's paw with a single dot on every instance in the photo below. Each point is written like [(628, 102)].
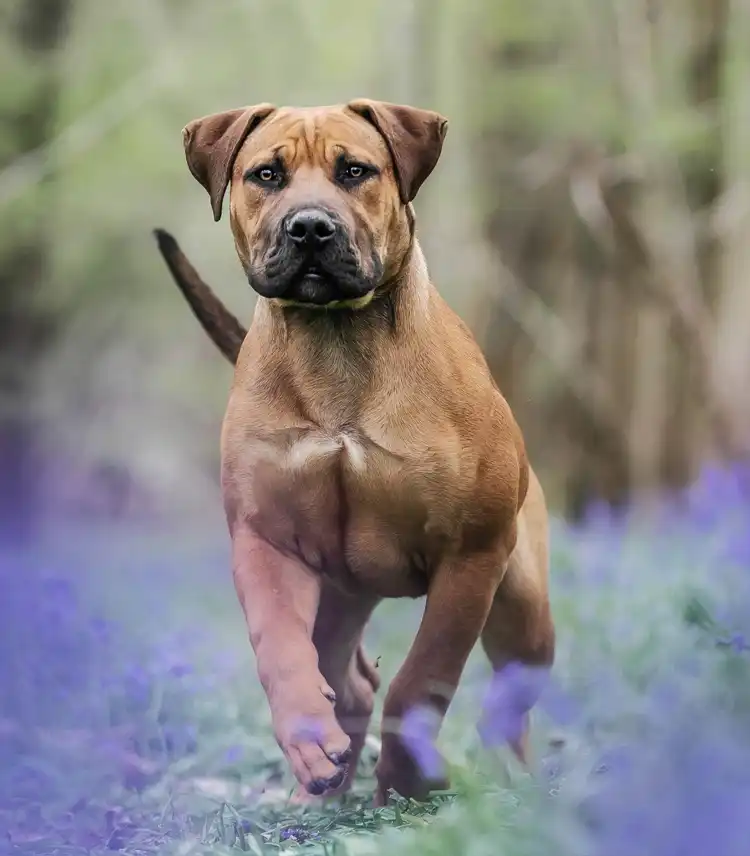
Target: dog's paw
[(399, 771), (319, 757), (302, 797)]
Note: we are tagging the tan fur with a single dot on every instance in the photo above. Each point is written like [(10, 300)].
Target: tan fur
[(365, 454)]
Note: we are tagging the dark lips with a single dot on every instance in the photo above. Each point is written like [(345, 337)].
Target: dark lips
[(313, 288)]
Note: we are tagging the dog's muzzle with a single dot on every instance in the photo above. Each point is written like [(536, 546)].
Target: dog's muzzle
[(314, 264)]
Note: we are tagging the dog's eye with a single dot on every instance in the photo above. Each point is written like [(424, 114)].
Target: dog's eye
[(265, 174), (354, 173)]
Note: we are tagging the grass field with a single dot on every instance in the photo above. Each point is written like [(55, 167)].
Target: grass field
[(134, 722)]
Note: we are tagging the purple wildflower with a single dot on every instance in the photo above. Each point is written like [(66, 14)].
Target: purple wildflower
[(737, 642), (234, 754), (419, 730), (512, 693), (298, 834), (180, 670)]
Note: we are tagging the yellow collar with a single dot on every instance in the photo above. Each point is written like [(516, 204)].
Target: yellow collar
[(354, 303)]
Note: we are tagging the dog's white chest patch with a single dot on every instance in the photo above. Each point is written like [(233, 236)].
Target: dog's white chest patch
[(355, 452), (311, 449)]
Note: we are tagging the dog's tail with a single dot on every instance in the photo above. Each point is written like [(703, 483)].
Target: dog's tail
[(223, 328)]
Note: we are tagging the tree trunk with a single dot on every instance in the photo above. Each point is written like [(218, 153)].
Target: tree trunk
[(37, 28), (731, 370)]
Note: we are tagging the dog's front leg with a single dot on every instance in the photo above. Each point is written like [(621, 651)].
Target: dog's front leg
[(280, 599), (459, 600)]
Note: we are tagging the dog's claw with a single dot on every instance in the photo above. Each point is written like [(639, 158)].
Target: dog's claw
[(339, 758), (318, 787), (337, 780)]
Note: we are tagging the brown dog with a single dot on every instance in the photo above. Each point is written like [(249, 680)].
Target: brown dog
[(366, 451)]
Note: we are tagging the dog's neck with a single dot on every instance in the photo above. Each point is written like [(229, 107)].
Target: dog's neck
[(339, 357)]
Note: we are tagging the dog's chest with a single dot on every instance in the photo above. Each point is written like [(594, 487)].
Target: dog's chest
[(368, 517)]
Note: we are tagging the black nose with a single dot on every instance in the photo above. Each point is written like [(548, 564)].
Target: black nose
[(310, 227)]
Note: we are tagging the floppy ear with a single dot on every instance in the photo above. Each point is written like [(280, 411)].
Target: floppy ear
[(212, 143), (414, 138)]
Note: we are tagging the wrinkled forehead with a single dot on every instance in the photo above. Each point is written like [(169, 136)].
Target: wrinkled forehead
[(316, 135)]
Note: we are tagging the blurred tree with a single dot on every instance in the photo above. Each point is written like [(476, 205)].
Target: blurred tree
[(591, 208), (604, 162), (33, 32), (725, 33)]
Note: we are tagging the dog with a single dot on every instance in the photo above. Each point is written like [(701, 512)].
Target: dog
[(366, 450)]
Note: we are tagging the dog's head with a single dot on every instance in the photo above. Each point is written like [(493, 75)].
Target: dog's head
[(319, 197)]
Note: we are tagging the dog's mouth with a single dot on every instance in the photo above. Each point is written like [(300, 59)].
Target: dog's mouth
[(313, 274), (329, 280), (313, 286), (316, 290)]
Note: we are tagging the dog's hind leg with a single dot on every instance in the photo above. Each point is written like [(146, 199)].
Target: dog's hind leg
[(519, 631)]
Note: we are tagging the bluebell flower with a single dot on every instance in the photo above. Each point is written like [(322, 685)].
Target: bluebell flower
[(298, 834), (512, 693), (234, 754), (418, 731)]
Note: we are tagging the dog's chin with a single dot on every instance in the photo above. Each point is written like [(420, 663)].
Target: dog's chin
[(314, 291)]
